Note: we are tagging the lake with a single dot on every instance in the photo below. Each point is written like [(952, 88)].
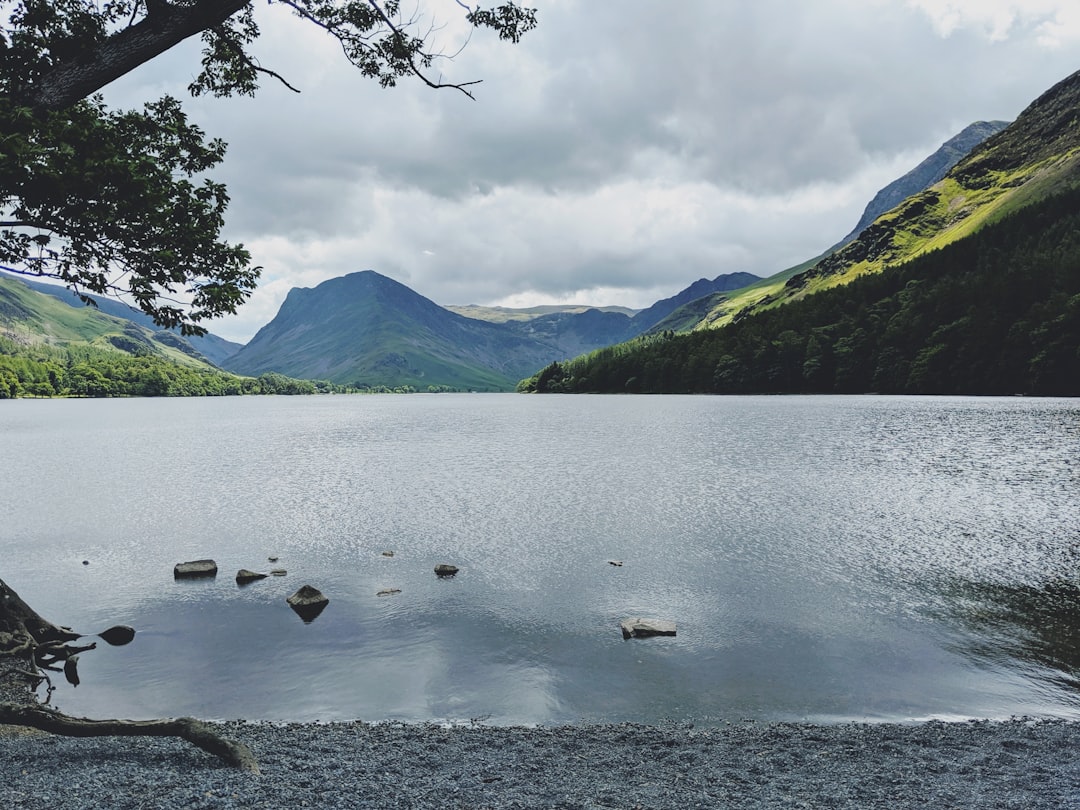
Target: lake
[(824, 558)]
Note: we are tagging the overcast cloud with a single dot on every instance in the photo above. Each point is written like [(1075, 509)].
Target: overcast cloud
[(623, 150)]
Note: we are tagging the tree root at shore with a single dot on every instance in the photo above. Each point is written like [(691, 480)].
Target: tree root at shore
[(33, 645), (196, 732)]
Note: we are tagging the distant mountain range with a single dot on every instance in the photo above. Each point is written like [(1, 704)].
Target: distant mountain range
[(366, 330)]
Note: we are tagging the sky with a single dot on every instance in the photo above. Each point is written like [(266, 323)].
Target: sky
[(621, 151)]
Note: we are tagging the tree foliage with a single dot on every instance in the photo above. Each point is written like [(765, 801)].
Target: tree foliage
[(117, 202), (995, 313)]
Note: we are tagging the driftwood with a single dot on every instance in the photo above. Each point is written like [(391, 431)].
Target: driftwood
[(31, 644)]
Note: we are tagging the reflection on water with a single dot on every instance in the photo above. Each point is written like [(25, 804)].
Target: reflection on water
[(1032, 629), (823, 557)]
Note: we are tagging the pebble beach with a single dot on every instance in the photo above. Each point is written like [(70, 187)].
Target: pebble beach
[(980, 764)]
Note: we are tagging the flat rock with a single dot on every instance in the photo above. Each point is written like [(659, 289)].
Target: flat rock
[(278, 572), (388, 591), (643, 628), (444, 570), (195, 568)]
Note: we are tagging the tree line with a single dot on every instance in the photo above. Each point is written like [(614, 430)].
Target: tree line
[(995, 313), (46, 371)]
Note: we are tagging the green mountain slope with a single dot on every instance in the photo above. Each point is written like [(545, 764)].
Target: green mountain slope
[(995, 313), (1010, 192), (1034, 157), (30, 318), (719, 309), (212, 347)]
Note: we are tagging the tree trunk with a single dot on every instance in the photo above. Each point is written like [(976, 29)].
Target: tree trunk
[(22, 630)]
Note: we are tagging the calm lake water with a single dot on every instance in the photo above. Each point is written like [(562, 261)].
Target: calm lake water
[(825, 558)]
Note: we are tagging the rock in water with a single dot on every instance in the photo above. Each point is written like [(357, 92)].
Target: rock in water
[(444, 570), (195, 568), (244, 576), (117, 636), (308, 603), (642, 628)]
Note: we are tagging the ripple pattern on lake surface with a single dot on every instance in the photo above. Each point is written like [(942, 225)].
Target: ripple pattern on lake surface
[(824, 557)]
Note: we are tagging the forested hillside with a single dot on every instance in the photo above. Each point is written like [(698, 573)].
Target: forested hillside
[(995, 313), (84, 371)]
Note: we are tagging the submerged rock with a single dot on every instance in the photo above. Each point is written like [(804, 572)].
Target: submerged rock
[(642, 628), (278, 572), (195, 568), (388, 591), (308, 603), (444, 570)]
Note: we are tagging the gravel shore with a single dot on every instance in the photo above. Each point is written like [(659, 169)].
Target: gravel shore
[(1015, 764)]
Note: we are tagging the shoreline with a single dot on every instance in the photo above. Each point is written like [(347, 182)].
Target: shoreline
[(977, 764)]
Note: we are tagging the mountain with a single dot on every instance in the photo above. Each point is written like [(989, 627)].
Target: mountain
[(504, 314), (969, 286), (930, 171), (719, 308), (366, 330), (213, 348), (648, 318)]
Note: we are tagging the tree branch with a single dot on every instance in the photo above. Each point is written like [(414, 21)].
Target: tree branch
[(160, 30)]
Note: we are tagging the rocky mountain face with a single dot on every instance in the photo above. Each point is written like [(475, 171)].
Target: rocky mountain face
[(930, 171)]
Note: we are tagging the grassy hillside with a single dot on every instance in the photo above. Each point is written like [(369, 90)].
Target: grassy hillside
[(49, 348), (995, 313), (29, 318), (1035, 157)]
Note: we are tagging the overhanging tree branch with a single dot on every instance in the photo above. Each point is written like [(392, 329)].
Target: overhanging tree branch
[(165, 26)]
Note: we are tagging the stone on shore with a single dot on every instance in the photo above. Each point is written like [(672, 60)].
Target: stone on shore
[(643, 628), (195, 568)]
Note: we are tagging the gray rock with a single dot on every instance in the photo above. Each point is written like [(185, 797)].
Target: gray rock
[(388, 591), (308, 603), (195, 568), (642, 628), (244, 576), (444, 570)]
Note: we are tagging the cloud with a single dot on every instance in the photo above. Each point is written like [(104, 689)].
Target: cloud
[(624, 149)]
